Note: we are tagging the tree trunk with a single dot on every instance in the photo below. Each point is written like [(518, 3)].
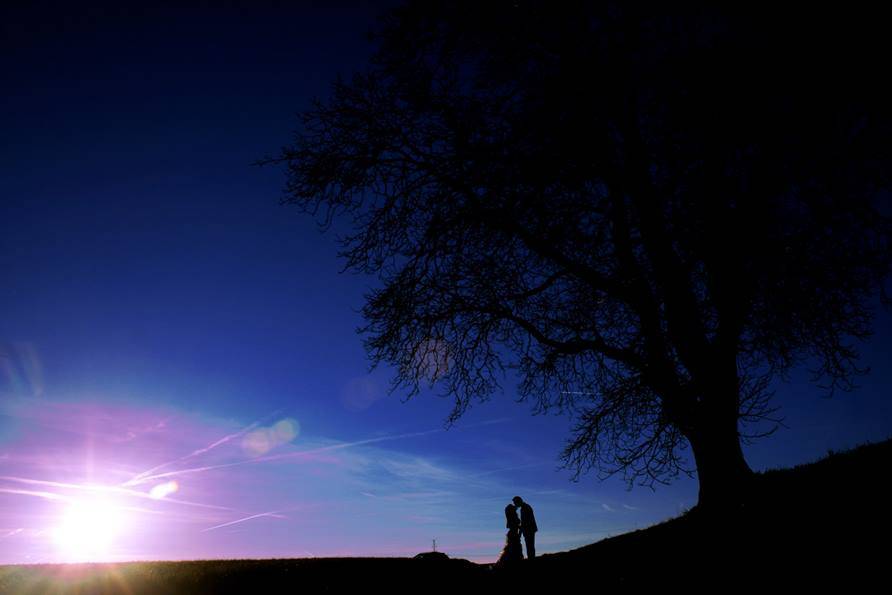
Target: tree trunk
[(722, 471)]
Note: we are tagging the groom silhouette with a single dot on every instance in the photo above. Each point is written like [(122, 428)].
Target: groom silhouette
[(528, 526)]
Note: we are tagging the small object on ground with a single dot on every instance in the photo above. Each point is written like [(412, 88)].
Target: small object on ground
[(431, 556)]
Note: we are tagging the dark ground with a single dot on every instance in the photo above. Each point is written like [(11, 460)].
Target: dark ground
[(820, 525)]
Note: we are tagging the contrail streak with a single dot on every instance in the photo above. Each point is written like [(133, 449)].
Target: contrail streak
[(304, 453), (44, 495), (106, 489), (136, 479), (272, 513), (288, 455)]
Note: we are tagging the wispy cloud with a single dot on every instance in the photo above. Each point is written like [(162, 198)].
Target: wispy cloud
[(508, 469)]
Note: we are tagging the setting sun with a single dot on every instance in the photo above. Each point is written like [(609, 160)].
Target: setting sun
[(87, 530)]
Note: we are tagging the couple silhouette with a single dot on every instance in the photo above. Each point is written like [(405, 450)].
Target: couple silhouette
[(525, 525)]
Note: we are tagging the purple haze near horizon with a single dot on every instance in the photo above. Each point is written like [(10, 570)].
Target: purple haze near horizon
[(177, 350)]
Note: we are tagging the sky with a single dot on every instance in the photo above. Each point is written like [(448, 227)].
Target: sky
[(180, 375)]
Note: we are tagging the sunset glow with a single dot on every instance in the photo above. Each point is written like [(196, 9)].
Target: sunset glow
[(163, 483)]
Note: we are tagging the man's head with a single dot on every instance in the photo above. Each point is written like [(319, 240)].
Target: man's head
[(517, 500)]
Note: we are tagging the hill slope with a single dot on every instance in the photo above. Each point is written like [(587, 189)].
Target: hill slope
[(814, 524)]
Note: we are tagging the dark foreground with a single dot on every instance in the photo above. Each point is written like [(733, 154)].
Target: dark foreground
[(819, 525)]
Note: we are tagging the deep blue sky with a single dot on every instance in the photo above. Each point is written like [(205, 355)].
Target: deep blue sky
[(148, 270)]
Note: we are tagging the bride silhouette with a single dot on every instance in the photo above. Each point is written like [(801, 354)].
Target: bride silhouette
[(512, 551)]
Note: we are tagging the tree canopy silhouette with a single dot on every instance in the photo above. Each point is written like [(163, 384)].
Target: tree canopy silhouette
[(649, 214)]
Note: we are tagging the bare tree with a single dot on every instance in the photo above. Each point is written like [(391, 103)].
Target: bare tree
[(651, 215)]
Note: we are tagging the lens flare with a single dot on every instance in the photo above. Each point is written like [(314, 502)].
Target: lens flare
[(163, 490), (285, 430), (263, 440)]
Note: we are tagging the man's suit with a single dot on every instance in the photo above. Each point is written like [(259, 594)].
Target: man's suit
[(528, 529)]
